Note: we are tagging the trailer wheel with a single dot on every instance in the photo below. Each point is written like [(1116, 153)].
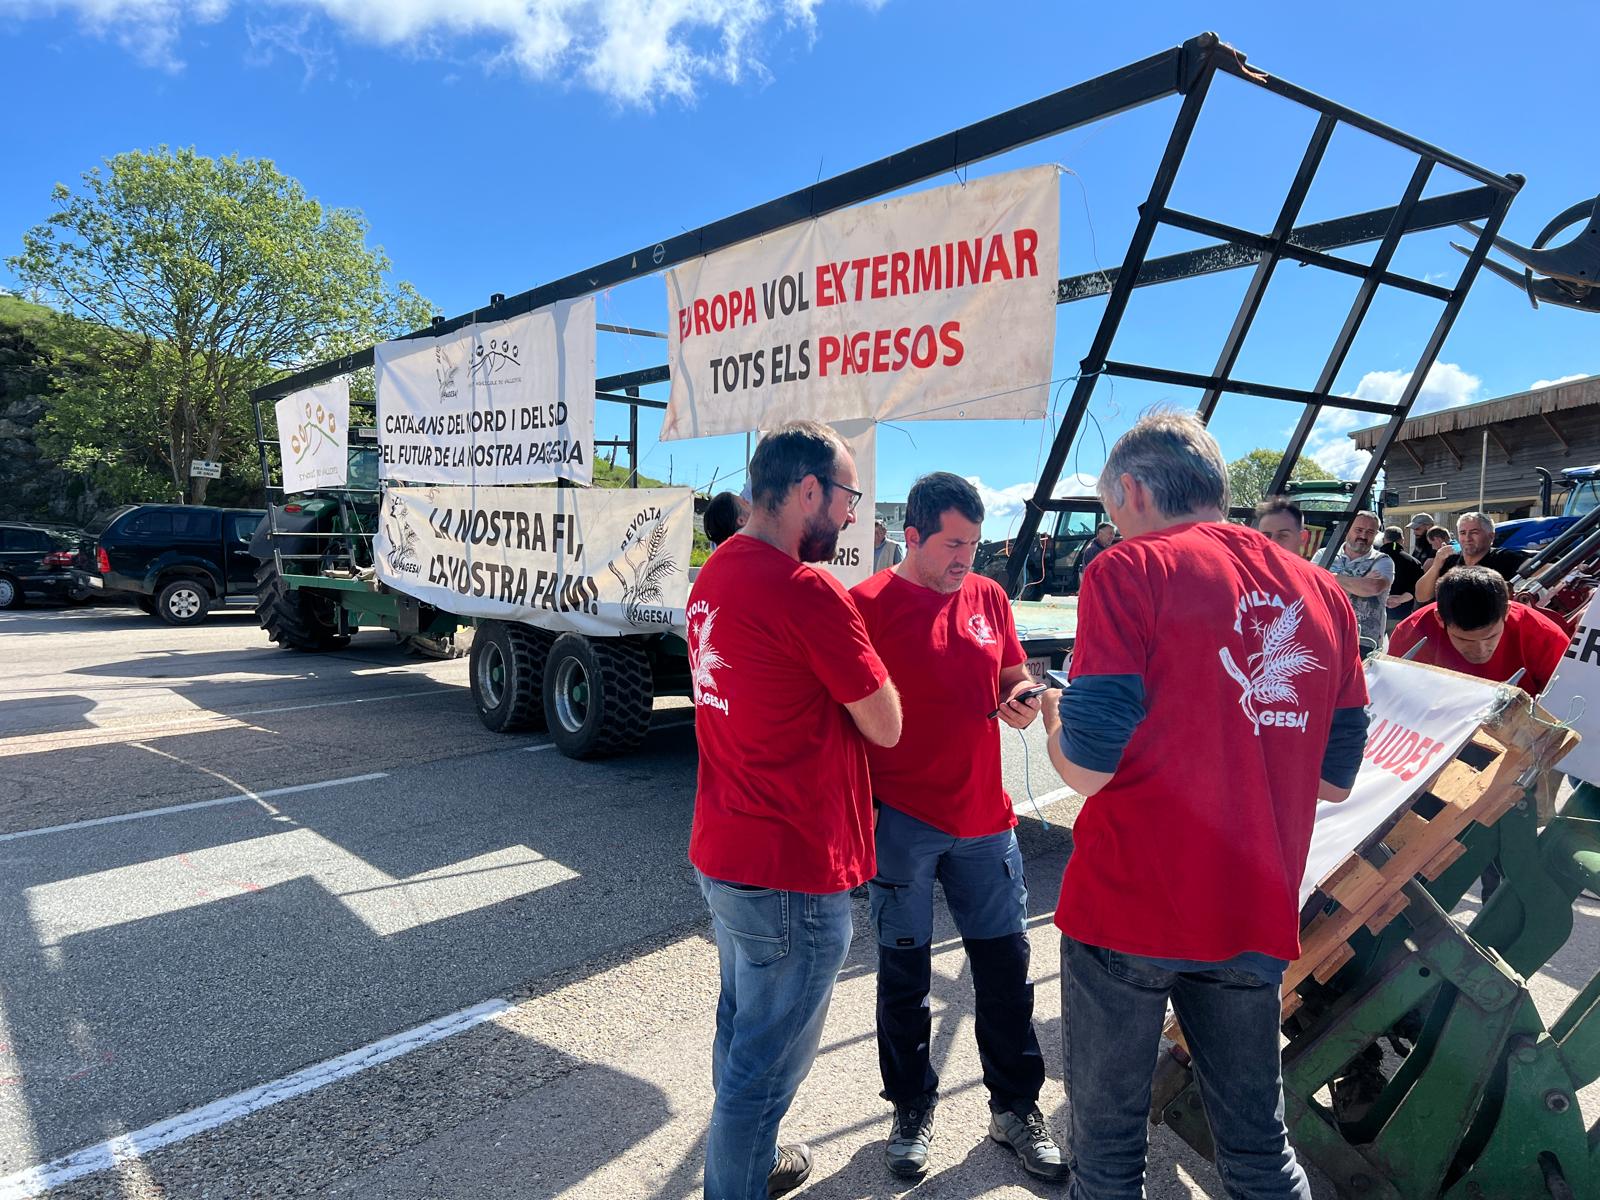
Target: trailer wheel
[(293, 619), (507, 669), (598, 695)]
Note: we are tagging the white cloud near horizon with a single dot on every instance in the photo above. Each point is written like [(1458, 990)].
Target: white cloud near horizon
[(1448, 386), (636, 52), (1003, 506), (1556, 382)]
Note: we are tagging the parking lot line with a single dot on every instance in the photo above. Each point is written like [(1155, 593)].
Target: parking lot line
[(262, 712), (191, 807), (34, 1180)]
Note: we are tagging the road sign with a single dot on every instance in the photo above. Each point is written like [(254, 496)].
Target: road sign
[(201, 469)]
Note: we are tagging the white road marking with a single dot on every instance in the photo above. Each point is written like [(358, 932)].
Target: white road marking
[(262, 712), (191, 807), (35, 1180), (536, 749)]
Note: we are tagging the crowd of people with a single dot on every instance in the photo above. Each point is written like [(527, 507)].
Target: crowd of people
[(852, 738)]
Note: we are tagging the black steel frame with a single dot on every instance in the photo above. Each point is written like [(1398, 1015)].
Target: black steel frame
[(1187, 71)]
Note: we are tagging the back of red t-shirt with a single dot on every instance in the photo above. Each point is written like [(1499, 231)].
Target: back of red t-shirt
[(776, 649), (1531, 640), (945, 652), (1196, 847)]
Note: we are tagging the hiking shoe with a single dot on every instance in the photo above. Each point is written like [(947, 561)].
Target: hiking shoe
[(791, 1170), (1030, 1137), (907, 1151)]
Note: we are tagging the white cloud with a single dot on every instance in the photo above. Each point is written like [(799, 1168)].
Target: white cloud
[(292, 39), (634, 51), (1447, 386), (1544, 383), (1002, 507)]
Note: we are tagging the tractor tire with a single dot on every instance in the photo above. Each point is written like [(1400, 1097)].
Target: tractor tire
[(507, 674), (291, 618), (183, 602), (598, 695)]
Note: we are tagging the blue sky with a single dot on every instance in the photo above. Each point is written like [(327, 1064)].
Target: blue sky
[(494, 145)]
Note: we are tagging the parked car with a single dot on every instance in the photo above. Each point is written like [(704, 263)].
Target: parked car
[(175, 561), (36, 560)]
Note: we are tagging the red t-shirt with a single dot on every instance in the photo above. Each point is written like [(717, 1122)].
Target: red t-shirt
[(776, 650), (1530, 640), (1196, 847), (945, 652)]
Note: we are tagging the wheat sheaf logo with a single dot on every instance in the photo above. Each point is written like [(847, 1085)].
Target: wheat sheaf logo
[(444, 370), (644, 554), (1273, 669), (704, 661), (402, 556)]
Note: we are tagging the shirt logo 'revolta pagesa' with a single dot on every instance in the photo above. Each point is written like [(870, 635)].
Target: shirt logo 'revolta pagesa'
[(704, 661), (978, 627), (1274, 666)]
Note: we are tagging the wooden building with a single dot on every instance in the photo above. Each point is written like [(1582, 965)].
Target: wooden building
[(1437, 460)]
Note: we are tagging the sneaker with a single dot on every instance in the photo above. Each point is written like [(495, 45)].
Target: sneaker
[(791, 1170), (1030, 1137), (907, 1151)]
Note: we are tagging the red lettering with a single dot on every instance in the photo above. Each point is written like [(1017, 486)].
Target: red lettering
[(1025, 248), (719, 313), (735, 307), (923, 348), (954, 351), (880, 350), (861, 351), (971, 257), (860, 266), (899, 265), (827, 352), (701, 325), (880, 276), (902, 348), (683, 325), (997, 262), (926, 270)]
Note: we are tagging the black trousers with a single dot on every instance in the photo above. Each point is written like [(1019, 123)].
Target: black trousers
[(1013, 1068)]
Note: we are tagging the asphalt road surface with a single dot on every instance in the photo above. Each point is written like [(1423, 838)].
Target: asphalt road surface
[(297, 925)]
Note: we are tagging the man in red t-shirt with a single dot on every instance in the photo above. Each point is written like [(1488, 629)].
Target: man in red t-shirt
[(1475, 629), (947, 637), (1216, 693), (788, 691)]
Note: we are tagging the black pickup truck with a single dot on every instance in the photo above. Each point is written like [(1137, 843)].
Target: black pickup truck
[(175, 561)]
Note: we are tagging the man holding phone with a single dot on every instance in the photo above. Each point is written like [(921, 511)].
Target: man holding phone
[(948, 640)]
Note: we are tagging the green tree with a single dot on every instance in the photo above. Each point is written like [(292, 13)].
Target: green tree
[(1250, 477), (185, 281)]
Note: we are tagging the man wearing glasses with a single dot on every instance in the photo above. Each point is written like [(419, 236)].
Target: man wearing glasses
[(788, 692)]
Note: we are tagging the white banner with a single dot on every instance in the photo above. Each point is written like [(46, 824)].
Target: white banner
[(940, 304), (511, 402), (1574, 696), (600, 561), (852, 561), (314, 436), (1420, 718)]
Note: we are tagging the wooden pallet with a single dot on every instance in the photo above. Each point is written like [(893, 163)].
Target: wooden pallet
[(1511, 750)]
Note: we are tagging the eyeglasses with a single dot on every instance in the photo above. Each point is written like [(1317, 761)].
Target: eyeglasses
[(855, 496)]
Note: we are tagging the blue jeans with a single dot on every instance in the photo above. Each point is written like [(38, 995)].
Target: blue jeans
[(983, 884), (780, 953), (1112, 1010)]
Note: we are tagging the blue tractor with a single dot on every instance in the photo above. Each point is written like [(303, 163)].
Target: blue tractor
[(1581, 486)]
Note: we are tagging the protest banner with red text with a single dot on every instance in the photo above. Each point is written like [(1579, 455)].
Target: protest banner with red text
[(1420, 717), (938, 305)]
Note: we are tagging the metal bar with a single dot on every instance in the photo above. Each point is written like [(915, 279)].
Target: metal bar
[(1435, 212), (1352, 325), (1257, 288), (628, 329), (1430, 352), (1311, 258), (1231, 61), (630, 401), (1267, 391), (628, 379), (1116, 304), (1150, 79)]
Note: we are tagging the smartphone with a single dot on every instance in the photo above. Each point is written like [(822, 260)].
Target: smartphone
[(1058, 679), (1032, 693)]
